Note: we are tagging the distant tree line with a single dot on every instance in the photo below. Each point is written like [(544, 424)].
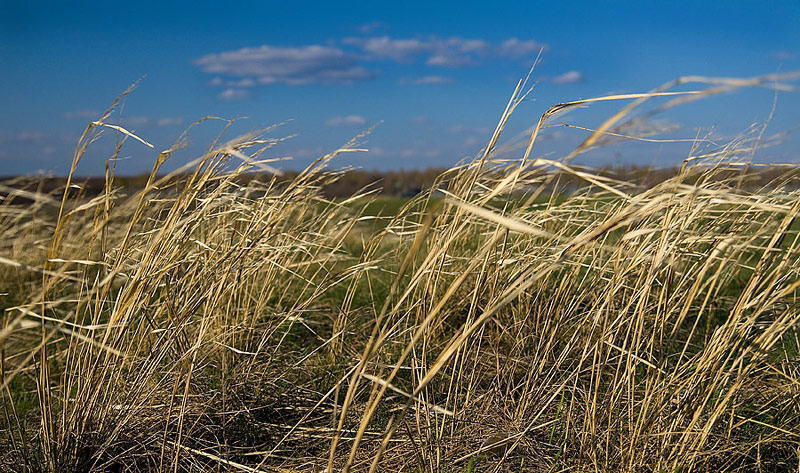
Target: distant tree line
[(406, 183)]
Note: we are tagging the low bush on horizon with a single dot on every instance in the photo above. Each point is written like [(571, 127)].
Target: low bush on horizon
[(496, 322)]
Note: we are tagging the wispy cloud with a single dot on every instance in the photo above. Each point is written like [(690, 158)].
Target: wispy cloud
[(451, 59), (472, 141), (420, 120), (400, 50), (371, 26), (349, 120), (167, 121), (23, 137), (457, 52), (376, 151), (312, 64), (305, 153), (447, 52), (233, 94), (426, 80), (515, 48), (347, 61), (246, 82), (571, 77), (469, 129), (33, 143), (135, 120)]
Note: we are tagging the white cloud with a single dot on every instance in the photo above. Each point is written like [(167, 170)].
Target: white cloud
[(514, 48), (287, 65), (449, 59), (400, 50), (571, 77), (220, 82), (233, 94), (427, 80), (346, 61), (447, 52), (348, 120)]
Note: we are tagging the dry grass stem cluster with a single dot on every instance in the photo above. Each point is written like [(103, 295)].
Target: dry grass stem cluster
[(496, 323)]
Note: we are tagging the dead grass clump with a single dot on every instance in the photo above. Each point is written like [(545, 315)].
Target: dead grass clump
[(210, 322)]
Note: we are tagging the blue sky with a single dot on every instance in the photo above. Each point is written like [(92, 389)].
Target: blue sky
[(435, 75)]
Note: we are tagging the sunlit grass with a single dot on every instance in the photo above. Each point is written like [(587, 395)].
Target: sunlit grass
[(495, 323)]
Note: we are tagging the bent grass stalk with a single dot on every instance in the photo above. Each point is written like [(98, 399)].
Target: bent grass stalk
[(226, 318)]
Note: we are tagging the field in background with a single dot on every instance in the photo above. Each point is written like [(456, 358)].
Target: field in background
[(524, 315)]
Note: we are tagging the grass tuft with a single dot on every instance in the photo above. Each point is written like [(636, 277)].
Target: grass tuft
[(498, 322)]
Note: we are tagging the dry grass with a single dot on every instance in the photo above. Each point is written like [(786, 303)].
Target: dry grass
[(201, 325)]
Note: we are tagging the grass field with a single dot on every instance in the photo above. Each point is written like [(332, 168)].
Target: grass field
[(496, 324)]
